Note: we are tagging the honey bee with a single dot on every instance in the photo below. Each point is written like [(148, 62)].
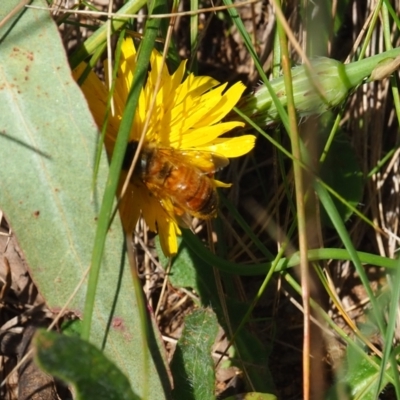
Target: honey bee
[(181, 177)]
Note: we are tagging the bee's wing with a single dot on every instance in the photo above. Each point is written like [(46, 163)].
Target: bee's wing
[(205, 161), (184, 220)]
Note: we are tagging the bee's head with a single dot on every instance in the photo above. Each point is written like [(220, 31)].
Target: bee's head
[(142, 164), (129, 154)]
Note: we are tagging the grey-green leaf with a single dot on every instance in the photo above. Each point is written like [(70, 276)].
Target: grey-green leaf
[(48, 144)]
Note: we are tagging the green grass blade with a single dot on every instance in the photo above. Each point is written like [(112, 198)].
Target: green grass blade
[(99, 37), (262, 268)]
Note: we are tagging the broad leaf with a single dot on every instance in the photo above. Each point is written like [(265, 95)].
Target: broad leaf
[(48, 144), (70, 358)]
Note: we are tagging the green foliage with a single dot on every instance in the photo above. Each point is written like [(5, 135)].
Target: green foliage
[(80, 363), (48, 144), (192, 365), (252, 352), (254, 396), (341, 172), (358, 379), (183, 271)]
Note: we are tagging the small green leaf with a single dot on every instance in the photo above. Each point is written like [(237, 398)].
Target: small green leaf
[(253, 396), (358, 378), (192, 365), (78, 362), (182, 274)]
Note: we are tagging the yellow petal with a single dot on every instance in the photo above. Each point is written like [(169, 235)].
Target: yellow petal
[(97, 96), (168, 230), (231, 147), (222, 184), (151, 208), (194, 86), (157, 69), (225, 105), (128, 49), (202, 136), (128, 208), (177, 76), (94, 91), (192, 112)]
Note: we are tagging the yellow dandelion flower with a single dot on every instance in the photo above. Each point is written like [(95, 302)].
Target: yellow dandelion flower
[(183, 147)]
